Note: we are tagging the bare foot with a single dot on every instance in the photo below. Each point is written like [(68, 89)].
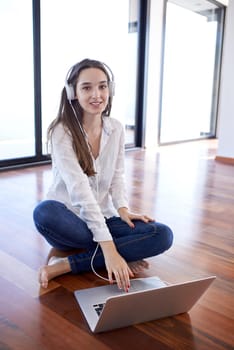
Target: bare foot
[(138, 266), (56, 266)]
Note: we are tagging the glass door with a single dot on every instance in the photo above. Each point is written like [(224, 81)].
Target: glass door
[(192, 51)]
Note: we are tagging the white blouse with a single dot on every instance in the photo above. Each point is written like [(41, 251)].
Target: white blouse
[(91, 198)]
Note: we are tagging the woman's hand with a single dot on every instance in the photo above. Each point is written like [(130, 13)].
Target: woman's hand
[(116, 266), (128, 217)]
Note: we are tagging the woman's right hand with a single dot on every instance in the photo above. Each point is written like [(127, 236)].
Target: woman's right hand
[(116, 266)]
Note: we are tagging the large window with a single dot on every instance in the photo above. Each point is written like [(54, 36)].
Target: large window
[(16, 83), (89, 29), (40, 40)]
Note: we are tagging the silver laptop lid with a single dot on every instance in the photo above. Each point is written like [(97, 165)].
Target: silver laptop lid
[(124, 309)]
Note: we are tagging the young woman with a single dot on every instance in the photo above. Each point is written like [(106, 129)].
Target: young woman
[(86, 206)]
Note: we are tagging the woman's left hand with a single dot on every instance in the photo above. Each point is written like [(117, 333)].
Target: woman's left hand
[(127, 216)]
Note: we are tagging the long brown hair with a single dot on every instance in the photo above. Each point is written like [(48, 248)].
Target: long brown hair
[(70, 111)]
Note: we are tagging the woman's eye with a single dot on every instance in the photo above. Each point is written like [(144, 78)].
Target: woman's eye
[(86, 88), (103, 86)]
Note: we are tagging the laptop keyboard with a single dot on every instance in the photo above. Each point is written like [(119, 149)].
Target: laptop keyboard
[(136, 286), (98, 308)]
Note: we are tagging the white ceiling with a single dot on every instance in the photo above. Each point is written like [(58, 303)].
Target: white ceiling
[(198, 5), (224, 2)]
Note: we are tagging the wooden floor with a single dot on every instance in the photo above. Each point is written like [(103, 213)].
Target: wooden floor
[(180, 185)]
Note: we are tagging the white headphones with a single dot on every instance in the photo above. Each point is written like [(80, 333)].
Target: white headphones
[(71, 91)]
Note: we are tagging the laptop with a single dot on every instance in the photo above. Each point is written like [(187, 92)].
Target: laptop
[(107, 307)]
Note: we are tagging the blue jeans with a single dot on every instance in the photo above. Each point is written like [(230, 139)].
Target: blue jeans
[(65, 231)]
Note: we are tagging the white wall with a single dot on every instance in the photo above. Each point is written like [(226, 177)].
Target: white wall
[(226, 102)]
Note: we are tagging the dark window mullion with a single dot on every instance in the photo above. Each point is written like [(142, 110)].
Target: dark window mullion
[(141, 70), (37, 77)]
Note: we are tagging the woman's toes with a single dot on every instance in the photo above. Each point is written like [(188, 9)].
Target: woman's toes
[(138, 266), (145, 264), (43, 277)]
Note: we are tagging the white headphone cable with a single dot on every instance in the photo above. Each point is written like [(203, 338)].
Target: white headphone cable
[(92, 267)]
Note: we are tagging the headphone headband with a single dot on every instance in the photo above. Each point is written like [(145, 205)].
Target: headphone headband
[(70, 89)]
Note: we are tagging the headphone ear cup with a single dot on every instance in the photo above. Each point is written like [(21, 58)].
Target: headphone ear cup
[(70, 92), (112, 88)]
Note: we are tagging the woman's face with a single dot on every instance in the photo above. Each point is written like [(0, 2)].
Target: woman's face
[(92, 91)]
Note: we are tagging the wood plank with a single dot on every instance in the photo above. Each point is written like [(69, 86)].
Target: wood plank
[(12, 337), (225, 160), (22, 276)]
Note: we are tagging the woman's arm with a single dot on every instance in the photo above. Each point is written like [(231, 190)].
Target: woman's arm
[(116, 266), (118, 189)]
